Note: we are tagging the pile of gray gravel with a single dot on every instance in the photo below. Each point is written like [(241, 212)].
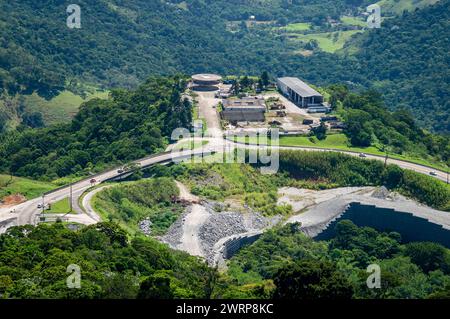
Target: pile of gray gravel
[(218, 226), (145, 226), (175, 232)]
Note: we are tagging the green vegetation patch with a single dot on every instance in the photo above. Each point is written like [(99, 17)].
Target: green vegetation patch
[(10, 185), (61, 108), (302, 268), (60, 207), (130, 203), (128, 126), (297, 27), (328, 41)]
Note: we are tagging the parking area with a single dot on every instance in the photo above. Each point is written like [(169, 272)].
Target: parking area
[(282, 114)]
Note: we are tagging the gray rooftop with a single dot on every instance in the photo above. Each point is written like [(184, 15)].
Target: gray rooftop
[(300, 87), (245, 103)]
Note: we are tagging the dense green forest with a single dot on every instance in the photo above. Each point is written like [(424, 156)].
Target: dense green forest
[(283, 263), (33, 263), (407, 61), (369, 122), (122, 42), (130, 125), (302, 268)]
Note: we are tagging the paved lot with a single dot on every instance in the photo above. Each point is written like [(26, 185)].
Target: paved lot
[(291, 107), (207, 110)]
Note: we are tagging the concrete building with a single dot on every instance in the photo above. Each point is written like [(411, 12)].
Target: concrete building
[(206, 82), (247, 109), (299, 92), (319, 109)]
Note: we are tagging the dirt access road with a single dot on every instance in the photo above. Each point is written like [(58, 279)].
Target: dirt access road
[(207, 103), (190, 241)]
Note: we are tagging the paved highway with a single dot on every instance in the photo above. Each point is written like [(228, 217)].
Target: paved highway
[(27, 212), (441, 175)]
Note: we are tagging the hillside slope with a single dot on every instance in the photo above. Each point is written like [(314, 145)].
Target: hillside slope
[(407, 60), (123, 42), (129, 125)]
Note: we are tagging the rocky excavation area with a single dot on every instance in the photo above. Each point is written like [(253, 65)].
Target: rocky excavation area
[(216, 225), (206, 225)]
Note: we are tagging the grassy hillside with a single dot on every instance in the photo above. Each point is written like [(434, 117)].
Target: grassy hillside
[(26, 187), (121, 43), (329, 41), (397, 7), (61, 108), (129, 204)]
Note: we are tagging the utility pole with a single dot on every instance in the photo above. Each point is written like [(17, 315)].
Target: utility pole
[(70, 198), (43, 204), (387, 155)]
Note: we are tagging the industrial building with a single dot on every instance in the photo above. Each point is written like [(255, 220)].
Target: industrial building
[(206, 82), (319, 109), (299, 92), (247, 109)]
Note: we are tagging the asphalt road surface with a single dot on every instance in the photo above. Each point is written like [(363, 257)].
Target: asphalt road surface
[(27, 212)]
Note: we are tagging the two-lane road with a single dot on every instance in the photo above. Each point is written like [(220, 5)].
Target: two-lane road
[(28, 211)]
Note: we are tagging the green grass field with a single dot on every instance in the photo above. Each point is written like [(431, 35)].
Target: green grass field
[(297, 27), (353, 21), (27, 187), (329, 41), (60, 207), (62, 107)]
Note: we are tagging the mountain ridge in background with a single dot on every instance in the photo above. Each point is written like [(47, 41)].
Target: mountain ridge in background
[(121, 43)]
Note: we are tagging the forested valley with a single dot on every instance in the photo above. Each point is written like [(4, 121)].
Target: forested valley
[(126, 72), (120, 44)]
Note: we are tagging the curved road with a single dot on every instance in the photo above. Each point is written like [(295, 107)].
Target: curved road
[(27, 212)]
